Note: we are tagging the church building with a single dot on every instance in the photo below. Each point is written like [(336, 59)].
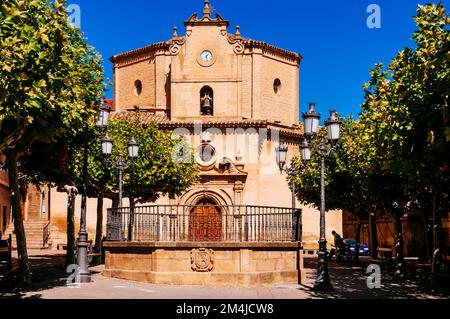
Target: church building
[(234, 99)]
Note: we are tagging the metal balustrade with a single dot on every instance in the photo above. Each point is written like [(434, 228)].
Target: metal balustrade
[(212, 223)]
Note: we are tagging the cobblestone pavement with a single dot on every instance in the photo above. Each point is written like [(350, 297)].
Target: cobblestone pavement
[(49, 282)]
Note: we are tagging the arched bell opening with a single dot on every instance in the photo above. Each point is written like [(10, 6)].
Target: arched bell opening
[(207, 101)]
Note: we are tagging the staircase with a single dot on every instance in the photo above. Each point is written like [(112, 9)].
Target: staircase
[(36, 232)]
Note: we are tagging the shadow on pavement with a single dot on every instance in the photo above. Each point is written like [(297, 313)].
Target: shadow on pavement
[(48, 271), (351, 283)]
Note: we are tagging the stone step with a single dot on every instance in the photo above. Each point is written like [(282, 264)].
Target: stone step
[(34, 232)]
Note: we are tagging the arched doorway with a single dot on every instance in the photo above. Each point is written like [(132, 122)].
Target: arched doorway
[(205, 222)]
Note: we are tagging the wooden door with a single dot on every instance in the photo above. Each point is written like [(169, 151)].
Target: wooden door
[(205, 223)]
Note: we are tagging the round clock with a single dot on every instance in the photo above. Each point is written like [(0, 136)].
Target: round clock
[(206, 56)]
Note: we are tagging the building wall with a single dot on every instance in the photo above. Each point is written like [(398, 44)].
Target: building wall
[(189, 75), (243, 84), (125, 78), (284, 105), (59, 217), (4, 202)]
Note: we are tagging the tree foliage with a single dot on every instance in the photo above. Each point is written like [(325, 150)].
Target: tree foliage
[(158, 170), (49, 81), (155, 172), (405, 119), (396, 155), (49, 76)]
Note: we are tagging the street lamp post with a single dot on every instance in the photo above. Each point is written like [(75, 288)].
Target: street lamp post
[(121, 164), (83, 275), (291, 170), (333, 125)]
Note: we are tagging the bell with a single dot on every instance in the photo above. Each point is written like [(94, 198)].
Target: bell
[(206, 107), (207, 102)]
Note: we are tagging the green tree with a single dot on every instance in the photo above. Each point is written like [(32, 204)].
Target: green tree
[(154, 174), (49, 79), (165, 165), (345, 189), (405, 118)]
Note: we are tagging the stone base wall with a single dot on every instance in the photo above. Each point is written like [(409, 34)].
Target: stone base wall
[(206, 264)]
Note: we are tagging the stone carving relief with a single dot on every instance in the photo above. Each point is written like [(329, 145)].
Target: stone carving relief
[(202, 260), (238, 46), (226, 166), (176, 45)]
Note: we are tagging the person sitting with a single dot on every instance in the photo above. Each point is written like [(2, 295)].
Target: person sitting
[(338, 244)]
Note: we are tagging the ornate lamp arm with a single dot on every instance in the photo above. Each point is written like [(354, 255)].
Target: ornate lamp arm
[(120, 163), (322, 149)]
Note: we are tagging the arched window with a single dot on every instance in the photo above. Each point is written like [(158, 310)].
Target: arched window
[(137, 87), (206, 101), (206, 154), (277, 86)]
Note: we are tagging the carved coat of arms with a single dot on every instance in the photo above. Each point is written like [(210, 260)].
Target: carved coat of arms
[(202, 260)]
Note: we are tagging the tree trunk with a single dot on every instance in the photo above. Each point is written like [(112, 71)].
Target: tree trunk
[(131, 220), (115, 202), (373, 238), (358, 241), (99, 227), (424, 258), (437, 236), (18, 221), (71, 195), (400, 268)]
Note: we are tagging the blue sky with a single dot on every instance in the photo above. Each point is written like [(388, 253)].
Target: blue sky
[(338, 48)]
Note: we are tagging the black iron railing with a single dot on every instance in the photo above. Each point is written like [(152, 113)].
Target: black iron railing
[(204, 223), (46, 235), (3, 230)]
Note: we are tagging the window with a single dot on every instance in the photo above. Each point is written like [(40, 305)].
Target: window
[(277, 86), (206, 155), (206, 101), (137, 87)]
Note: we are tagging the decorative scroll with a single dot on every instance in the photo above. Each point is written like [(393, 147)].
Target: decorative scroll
[(176, 45), (238, 46)]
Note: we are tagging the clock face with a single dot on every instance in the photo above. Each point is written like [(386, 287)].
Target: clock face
[(206, 56)]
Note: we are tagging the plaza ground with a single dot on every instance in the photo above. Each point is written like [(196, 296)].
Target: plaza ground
[(50, 282)]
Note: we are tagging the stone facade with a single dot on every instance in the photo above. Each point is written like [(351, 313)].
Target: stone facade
[(241, 73), (225, 264)]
